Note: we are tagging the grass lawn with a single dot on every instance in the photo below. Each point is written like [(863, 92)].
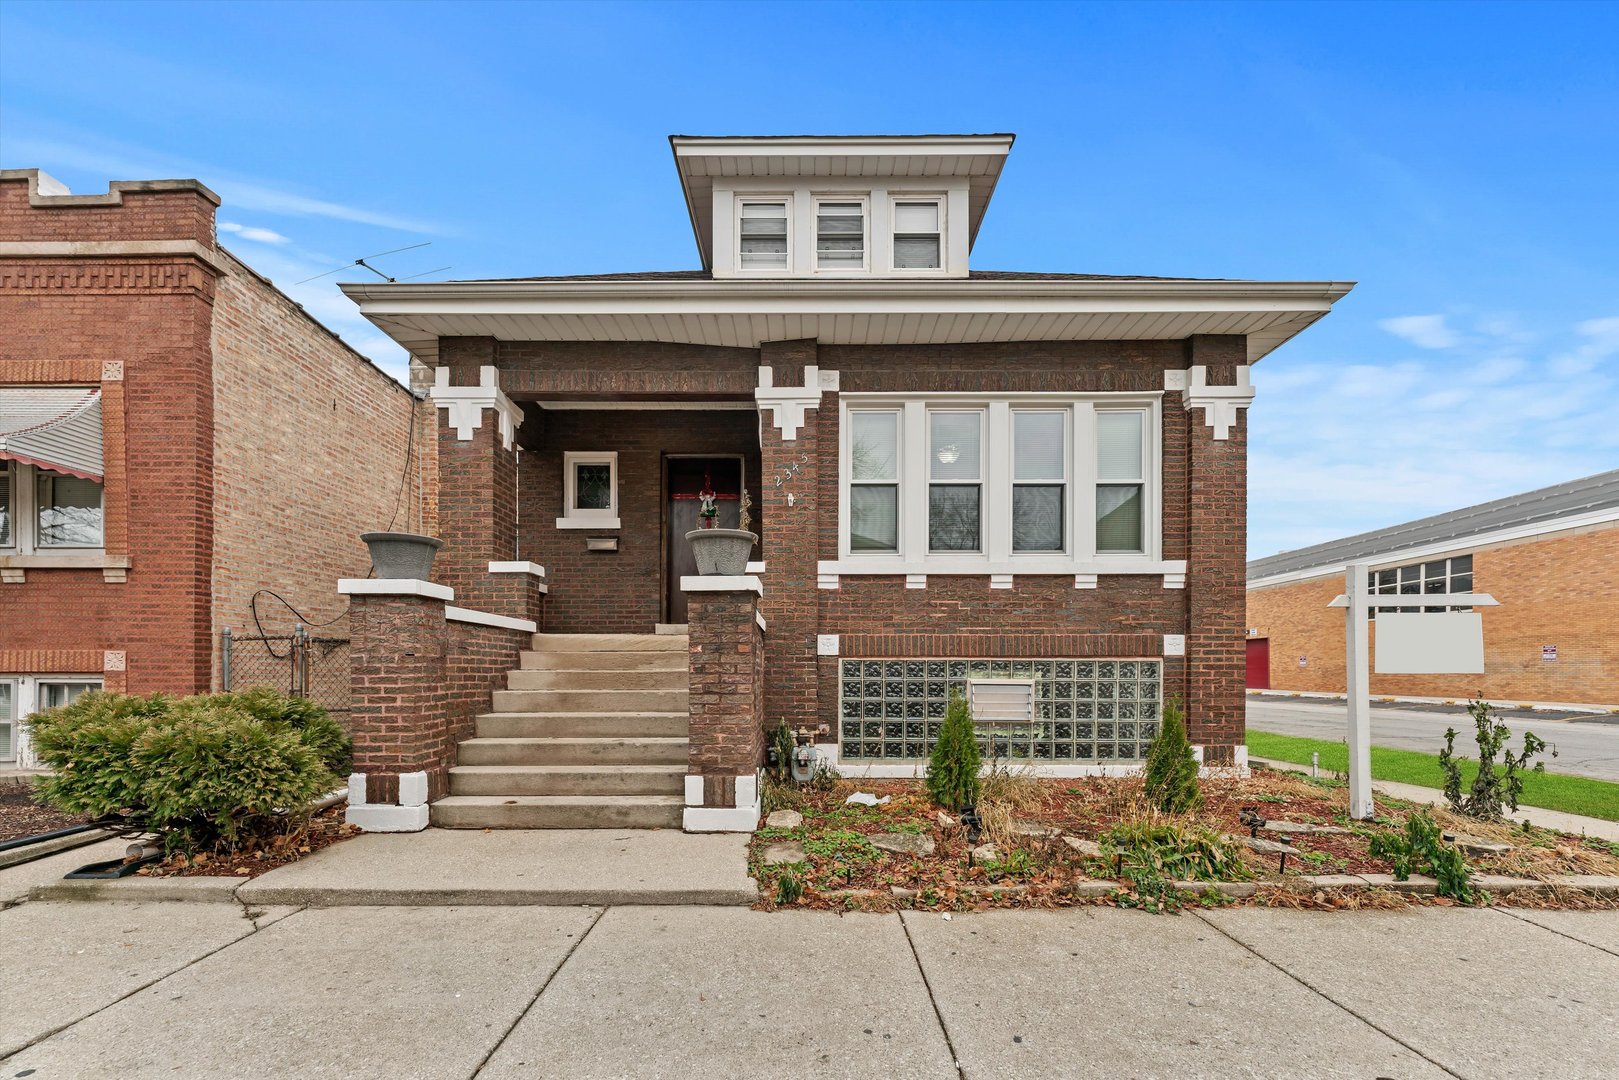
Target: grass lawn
[(1550, 791)]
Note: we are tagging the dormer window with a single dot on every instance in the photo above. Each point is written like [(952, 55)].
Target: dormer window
[(840, 236), (916, 234), (763, 235)]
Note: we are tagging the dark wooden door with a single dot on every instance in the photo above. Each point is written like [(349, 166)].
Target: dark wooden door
[(686, 477), (1258, 663)]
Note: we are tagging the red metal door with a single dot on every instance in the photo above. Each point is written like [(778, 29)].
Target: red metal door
[(1259, 663)]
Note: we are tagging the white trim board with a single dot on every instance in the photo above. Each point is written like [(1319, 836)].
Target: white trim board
[(486, 618)]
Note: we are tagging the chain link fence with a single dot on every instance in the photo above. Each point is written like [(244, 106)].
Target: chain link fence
[(298, 664)]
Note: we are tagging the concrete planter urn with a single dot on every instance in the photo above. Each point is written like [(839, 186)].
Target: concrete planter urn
[(402, 555), (721, 551)]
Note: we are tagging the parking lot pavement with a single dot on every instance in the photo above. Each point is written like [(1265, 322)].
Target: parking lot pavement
[(1483, 992), (1102, 992), (713, 992), (703, 992), (89, 955), (333, 992)]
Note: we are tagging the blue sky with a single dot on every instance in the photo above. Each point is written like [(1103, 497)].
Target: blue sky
[(1459, 161)]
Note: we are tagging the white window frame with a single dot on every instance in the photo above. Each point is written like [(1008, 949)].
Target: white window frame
[(997, 557), (785, 200), (25, 481), (1066, 482), (1147, 467), (982, 483), (572, 516), (940, 200), (898, 483), (25, 698), (857, 198)]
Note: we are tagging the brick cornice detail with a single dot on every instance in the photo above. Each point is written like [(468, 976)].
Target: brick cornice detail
[(975, 646), (120, 276), (52, 661)]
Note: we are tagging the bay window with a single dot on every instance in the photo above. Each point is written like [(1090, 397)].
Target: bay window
[(1027, 483)]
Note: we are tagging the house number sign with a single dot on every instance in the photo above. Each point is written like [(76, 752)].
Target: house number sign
[(789, 473)]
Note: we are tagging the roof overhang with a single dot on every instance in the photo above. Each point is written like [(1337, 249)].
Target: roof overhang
[(702, 159), (745, 313)]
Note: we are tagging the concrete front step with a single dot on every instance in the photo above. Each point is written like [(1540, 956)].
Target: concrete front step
[(573, 751), (551, 659), (558, 812), (676, 679), (506, 780), (588, 725), (590, 701), (610, 642)]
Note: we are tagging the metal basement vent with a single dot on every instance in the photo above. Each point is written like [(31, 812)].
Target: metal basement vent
[(1074, 711)]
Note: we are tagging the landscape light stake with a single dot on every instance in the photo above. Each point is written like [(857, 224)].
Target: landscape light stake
[(974, 825)]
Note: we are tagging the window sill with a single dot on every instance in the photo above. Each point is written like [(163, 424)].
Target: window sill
[(14, 568), (587, 523), (1002, 572)]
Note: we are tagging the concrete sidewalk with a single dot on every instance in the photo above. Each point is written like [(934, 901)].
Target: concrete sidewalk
[(193, 991)]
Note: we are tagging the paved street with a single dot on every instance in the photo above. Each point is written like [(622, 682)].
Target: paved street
[(1584, 747), (131, 990)]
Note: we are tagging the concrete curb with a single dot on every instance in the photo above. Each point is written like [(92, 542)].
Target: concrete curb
[(221, 890), (18, 856), (321, 896)]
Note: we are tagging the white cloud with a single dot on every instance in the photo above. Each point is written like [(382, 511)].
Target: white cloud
[(1602, 341), (1426, 331), (253, 233)]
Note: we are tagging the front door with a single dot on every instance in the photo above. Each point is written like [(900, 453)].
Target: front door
[(686, 477)]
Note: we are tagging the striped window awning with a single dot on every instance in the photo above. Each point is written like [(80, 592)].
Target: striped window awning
[(53, 427)]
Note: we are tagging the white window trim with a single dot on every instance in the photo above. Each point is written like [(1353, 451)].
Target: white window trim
[(998, 557), (1067, 481), (25, 703), (864, 201), (985, 435), (942, 201), (574, 518), (786, 199), (24, 481)]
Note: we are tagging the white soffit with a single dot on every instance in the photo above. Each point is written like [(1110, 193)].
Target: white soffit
[(743, 314), (702, 160)]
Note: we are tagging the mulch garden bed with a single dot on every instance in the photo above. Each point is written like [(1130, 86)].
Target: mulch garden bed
[(21, 816), (323, 830), (1039, 828)]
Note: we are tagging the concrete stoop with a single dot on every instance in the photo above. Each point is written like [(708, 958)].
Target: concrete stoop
[(591, 733)]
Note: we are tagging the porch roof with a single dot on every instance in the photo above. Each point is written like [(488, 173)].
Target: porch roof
[(696, 309)]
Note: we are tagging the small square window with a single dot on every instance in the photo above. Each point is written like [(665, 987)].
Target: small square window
[(917, 235), (840, 236), (762, 236), (590, 491)]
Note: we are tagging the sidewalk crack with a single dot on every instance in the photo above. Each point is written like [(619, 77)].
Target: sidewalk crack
[(1559, 933), (535, 999), (1327, 997), (926, 985)]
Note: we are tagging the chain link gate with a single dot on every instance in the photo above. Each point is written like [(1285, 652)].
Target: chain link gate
[(298, 664)]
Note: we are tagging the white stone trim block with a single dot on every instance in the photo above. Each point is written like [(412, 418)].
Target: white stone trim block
[(1219, 403), (721, 583), (1174, 644), (1084, 581), (394, 587), (916, 581), (413, 789), (486, 618), (1174, 581), (759, 617), (531, 569), (1000, 581), (465, 404), (827, 644), (826, 581), (743, 817), (788, 404), (377, 817)]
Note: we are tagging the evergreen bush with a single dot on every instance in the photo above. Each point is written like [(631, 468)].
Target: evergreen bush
[(213, 772), (952, 776), (1493, 792), (1171, 772)]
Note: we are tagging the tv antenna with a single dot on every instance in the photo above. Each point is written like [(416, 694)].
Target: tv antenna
[(361, 262)]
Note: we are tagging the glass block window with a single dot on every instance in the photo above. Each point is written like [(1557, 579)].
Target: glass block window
[(1085, 711)]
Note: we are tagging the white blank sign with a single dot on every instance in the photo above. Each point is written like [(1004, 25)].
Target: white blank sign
[(1429, 643)]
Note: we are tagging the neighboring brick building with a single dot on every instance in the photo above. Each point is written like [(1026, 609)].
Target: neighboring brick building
[(1549, 557), (1029, 487), (175, 434)]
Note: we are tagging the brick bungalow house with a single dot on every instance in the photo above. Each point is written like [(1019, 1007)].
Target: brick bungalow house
[(1549, 556), (175, 434), (1028, 487)]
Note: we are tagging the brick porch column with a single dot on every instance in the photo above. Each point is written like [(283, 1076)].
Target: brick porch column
[(1217, 540), (789, 396), (726, 634), (399, 650), (477, 463)]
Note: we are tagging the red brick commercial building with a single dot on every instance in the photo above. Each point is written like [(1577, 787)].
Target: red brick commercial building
[(1026, 487), (175, 434), (1549, 557)]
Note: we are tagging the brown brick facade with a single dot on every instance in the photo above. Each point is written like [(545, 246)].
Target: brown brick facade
[(1560, 589), (727, 683)]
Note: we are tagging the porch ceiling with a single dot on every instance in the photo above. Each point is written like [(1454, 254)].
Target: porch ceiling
[(744, 314)]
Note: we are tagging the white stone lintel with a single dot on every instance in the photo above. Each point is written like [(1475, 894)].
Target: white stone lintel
[(721, 583), (394, 587), (487, 618), (531, 569)]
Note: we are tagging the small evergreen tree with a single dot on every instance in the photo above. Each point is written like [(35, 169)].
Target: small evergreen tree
[(1494, 792), (953, 767), (1171, 769)]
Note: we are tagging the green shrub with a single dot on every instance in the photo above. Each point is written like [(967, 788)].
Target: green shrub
[(1175, 851), (953, 767), (208, 773), (1171, 773), (1421, 844), (1493, 792)]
